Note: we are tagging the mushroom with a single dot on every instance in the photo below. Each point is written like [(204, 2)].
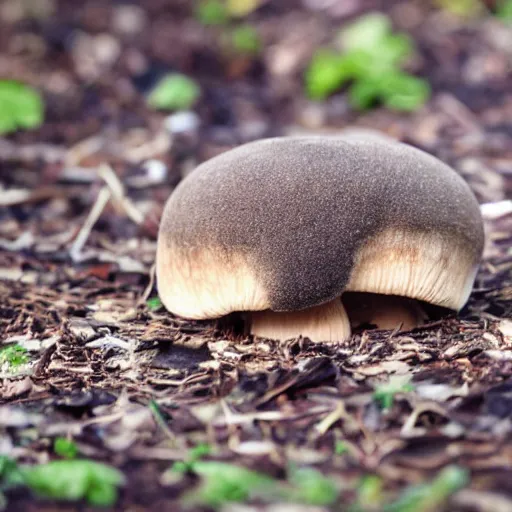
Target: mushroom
[(280, 228)]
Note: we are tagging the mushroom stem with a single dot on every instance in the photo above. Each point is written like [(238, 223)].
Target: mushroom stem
[(327, 322), (383, 311)]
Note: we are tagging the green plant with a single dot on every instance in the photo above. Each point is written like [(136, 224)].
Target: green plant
[(174, 92), (73, 480), (369, 495), (245, 40), (308, 485), (384, 394), (13, 355), (462, 8), (67, 480), (154, 303), (341, 448), (504, 10), (223, 483), (371, 61), (430, 497), (212, 12), (10, 477), (21, 107), (65, 448)]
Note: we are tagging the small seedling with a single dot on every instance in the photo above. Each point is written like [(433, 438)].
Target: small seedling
[(371, 60), (65, 448), (174, 92), (431, 496), (310, 486), (340, 448), (67, 480), (13, 356), (226, 483), (245, 40), (154, 303), (72, 480), (384, 394), (212, 12), (21, 107)]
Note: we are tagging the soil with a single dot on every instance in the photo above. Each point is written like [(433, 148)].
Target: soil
[(77, 245)]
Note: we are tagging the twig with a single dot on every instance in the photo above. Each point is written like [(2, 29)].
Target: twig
[(116, 188), (101, 201)]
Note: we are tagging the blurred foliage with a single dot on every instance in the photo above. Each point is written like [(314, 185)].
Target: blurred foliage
[(73, 480), (13, 355), (65, 448), (21, 107), (67, 480), (463, 8), (235, 38), (431, 496), (241, 8), (174, 92), (371, 59), (154, 303), (369, 495), (245, 40), (223, 483), (504, 10), (212, 12), (426, 497)]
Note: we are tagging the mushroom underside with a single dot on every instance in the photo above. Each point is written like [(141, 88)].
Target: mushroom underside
[(335, 320)]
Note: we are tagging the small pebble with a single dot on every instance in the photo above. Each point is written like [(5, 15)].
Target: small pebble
[(181, 122), (156, 170)]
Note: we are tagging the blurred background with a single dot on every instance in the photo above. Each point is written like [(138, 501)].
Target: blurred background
[(156, 86)]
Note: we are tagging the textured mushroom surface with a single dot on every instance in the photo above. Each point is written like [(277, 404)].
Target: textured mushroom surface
[(290, 223)]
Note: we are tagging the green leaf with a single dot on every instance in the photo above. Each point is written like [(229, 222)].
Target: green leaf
[(369, 494), (174, 92), (504, 10), (212, 12), (395, 49), (431, 496), (463, 8), (65, 448), (225, 483), (10, 474), (326, 73), (340, 448), (73, 480), (199, 451), (154, 303), (245, 40), (14, 355), (21, 107), (312, 487), (364, 93), (404, 92), (366, 33)]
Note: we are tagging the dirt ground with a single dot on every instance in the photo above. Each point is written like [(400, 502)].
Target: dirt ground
[(77, 245)]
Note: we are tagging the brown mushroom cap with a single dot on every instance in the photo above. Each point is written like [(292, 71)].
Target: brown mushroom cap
[(291, 223)]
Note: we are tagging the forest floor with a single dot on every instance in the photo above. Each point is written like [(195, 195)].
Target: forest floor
[(135, 387)]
